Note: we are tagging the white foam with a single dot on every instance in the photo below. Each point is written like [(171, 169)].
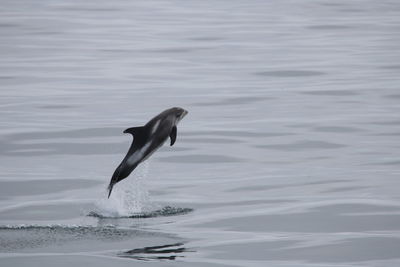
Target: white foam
[(130, 196)]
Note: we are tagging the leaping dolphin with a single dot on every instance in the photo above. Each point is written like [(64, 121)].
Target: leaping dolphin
[(146, 140)]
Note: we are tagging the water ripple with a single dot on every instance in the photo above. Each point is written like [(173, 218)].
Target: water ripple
[(165, 211)]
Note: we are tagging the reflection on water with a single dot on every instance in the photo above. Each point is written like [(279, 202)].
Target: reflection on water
[(165, 252), (290, 155)]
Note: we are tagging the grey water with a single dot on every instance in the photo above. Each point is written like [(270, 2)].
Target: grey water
[(289, 155)]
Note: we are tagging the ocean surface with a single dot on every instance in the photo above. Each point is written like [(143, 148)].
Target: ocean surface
[(289, 156)]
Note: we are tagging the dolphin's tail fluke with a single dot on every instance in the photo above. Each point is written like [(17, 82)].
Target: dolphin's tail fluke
[(115, 178), (120, 173), (110, 187)]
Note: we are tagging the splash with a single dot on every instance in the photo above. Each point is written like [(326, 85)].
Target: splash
[(129, 197)]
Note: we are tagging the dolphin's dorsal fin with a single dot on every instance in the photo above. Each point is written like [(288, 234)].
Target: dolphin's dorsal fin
[(172, 135), (139, 134)]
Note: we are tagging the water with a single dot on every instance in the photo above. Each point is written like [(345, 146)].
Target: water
[(289, 155)]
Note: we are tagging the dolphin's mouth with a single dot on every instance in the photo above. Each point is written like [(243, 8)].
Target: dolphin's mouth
[(185, 112)]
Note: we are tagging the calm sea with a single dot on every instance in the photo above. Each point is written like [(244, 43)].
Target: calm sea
[(289, 155)]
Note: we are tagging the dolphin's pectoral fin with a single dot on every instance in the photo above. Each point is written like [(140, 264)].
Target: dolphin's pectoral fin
[(172, 135), (139, 134)]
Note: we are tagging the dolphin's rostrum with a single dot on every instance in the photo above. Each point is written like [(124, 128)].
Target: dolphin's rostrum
[(146, 140)]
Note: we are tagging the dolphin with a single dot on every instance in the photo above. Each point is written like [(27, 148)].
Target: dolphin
[(146, 140)]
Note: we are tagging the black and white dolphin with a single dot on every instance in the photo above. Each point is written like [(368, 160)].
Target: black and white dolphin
[(146, 140)]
